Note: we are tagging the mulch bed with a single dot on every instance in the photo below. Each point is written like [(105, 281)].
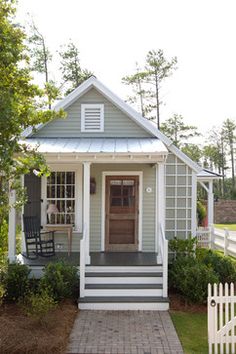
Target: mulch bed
[(177, 303), (20, 333)]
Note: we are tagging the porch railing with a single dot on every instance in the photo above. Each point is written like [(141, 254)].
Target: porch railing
[(82, 260), (163, 249)]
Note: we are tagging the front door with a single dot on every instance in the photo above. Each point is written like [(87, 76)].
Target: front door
[(122, 213)]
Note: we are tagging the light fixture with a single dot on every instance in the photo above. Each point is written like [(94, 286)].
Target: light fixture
[(52, 209)]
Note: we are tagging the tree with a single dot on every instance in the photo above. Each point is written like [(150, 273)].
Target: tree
[(228, 131), (147, 82), (175, 129), (20, 108), (40, 60), (193, 151), (72, 73)]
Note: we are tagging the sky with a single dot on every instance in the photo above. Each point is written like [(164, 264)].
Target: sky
[(112, 35)]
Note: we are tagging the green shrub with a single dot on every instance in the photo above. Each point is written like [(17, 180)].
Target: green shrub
[(190, 278), (15, 279), (3, 240), (201, 212), (184, 247), (2, 293), (62, 279), (39, 304), (222, 265)]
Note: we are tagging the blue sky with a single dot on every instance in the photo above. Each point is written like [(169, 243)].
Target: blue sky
[(113, 35)]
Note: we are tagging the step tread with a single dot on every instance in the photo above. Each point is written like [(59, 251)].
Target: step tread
[(123, 299), (126, 266), (123, 274), (123, 286)]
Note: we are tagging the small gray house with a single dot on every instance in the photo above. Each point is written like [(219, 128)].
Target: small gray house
[(119, 189)]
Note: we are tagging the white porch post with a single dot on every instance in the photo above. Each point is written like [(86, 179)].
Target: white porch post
[(12, 227), (86, 207), (160, 204), (210, 204)]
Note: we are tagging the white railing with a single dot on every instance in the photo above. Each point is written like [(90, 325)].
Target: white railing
[(163, 249), (82, 260), (217, 239), (221, 318)]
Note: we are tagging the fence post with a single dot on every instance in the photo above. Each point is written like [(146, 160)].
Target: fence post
[(226, 241)]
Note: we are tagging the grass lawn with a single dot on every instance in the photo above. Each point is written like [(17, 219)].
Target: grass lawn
[(192, 331), (231, 227)]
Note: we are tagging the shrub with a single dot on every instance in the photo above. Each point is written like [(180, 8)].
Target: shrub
[(201, 212), (190, 278), (62, 280), (3, 240), (39, 304), (2, 293), (15, 279), (184, 247), (222, 265)]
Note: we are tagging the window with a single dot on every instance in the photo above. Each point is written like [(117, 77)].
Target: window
[(92, 117), (60, 196)]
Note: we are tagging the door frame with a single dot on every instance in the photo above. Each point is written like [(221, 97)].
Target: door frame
[(140, 201)]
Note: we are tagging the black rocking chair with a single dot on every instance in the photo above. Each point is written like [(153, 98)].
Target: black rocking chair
[(37, 242)]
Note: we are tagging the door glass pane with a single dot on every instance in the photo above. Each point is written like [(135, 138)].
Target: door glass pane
[(115, 182), (116, 202)]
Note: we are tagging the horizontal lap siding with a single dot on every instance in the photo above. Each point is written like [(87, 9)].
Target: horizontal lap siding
[(117, 124), (178, 198), (148, 243), (61, 242)]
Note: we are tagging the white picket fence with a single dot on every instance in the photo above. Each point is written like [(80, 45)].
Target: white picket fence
[(217, 239), (221, 319)]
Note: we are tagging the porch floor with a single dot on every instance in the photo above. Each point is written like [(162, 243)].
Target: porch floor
[(98, 259)]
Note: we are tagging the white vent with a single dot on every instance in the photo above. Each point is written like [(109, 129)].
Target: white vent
[(92, 117)]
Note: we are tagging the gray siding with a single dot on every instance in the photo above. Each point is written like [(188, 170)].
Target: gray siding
[(148, 242), (178, 198), (116, 123)]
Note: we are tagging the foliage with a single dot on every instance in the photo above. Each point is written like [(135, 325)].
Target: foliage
[(72, 73), (3, 239), (228, 131), (187, 323), (175, 129), (15, 278), (146, 82), (2, 293), (22, 106), (62, 279), (223, 266), (193, 151), (184, 247), (201, 212), (38, 304), (190, 278)]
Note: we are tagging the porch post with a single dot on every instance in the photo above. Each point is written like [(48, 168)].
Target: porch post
[(86, 208), (12, 227), (210, 204), (160, 202)]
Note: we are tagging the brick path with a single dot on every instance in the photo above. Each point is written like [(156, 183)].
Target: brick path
[(124, 332)]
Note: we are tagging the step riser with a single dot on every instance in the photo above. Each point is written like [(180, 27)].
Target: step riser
[(124, 280), (134, 269), (123, 292), (125, 306)]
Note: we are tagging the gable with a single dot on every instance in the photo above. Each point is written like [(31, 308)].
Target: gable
[(116, 123)]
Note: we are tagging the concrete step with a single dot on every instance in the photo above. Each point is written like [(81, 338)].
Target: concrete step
[(123, 290), (124, 269), (152, 303)]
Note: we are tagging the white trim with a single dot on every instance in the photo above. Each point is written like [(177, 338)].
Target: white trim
[(194, 204), (92, 105), (123, 106), (23, 246), (160, 204), (78, 193), (140, 216)]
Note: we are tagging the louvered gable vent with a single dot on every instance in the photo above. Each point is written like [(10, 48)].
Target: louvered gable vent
[(92, 117)]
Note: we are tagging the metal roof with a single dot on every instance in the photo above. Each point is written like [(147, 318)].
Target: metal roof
[(98, 145), (208, 174)]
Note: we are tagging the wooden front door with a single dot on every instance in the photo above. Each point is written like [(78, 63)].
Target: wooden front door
[(122, 213)]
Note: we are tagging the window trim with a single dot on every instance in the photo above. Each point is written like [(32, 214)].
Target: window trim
[(92, 105), (78, 193)]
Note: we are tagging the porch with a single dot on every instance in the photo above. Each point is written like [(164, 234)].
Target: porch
[(97, 259)]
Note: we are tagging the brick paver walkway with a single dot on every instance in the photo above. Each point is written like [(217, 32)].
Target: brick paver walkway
[(124, 332)]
